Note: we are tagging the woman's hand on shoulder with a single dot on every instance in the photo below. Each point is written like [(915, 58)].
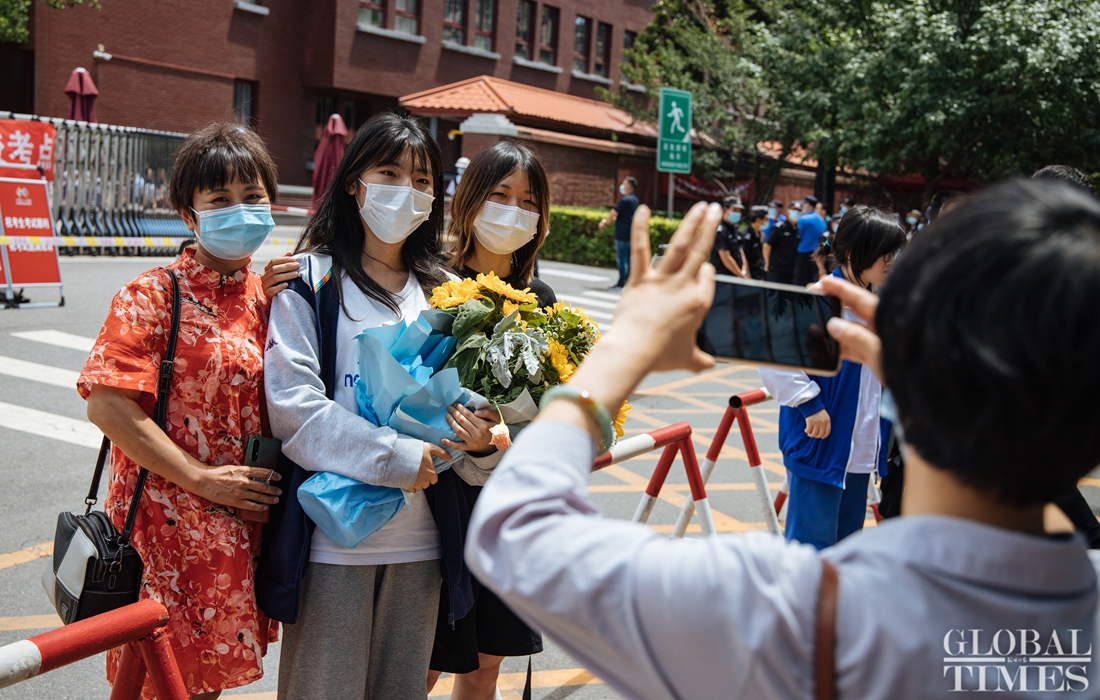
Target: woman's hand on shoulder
[(238, 486), (278, 273)]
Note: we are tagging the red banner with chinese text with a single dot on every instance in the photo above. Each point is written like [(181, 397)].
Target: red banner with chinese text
[(27, 143), (25, 211)]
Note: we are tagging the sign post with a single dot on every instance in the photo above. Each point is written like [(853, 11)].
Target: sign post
[(674, 140), (25, 213)]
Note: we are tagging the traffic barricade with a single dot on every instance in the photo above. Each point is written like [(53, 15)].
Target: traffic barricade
[(140, 626), (737, 412), (675, 439)]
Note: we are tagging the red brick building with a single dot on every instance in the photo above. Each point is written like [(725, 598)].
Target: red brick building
[(285, 65)]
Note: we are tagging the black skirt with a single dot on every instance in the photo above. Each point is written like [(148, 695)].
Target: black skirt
[(489, 628)]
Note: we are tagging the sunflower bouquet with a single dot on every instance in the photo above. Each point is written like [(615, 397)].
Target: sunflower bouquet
[(511, 351)]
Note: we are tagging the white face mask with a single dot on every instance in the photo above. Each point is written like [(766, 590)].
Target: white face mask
[(503, 229), (392, 212)]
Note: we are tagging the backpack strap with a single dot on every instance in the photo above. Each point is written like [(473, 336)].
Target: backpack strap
[(825, 634)]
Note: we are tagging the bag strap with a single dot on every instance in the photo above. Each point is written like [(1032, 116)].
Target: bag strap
[(160, 414), (93, 490), (825, 634)]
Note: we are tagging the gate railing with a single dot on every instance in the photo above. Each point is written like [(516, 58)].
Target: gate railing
[(111, 181)]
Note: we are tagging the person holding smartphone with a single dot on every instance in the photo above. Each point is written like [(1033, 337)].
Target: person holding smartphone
[(830, 432), (194, 529)]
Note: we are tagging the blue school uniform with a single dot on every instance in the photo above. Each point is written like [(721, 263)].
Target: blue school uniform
[(824, 475)]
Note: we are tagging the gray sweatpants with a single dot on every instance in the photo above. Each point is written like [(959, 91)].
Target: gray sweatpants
[(363, 633)]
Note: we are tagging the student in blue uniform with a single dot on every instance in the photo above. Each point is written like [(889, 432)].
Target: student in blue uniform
[(829, 427)]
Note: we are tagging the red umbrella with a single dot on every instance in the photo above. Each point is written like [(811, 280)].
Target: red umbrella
[(327, 156), (82, 91)]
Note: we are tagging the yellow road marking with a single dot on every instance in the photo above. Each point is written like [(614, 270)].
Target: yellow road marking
[(722, 522), (29, 622), (25, 555), (510, 684)]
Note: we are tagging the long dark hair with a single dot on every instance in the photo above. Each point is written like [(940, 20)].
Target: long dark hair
[(337, 229), (865, 234), (484, 173)]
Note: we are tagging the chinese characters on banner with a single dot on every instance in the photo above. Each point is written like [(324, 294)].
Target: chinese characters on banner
[(27, 143), (25, 211)]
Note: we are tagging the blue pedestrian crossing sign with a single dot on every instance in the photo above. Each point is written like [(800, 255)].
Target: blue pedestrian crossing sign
[(674, 142)]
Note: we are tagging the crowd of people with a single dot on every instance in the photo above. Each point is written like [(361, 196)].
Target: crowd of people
[(967, 374)]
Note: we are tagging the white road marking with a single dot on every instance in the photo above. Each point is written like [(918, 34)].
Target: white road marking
[(50, 425), (597, 315), (38, 373), (545, 269), (603, 295), (587, 302), (58, 338)]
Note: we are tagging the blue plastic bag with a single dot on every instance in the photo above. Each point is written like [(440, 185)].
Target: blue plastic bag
[(346, 510), (401, 386)]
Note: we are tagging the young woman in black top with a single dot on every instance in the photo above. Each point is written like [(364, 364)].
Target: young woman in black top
[(499, 219)]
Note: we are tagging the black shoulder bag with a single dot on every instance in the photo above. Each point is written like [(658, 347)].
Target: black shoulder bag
[(95, 569)]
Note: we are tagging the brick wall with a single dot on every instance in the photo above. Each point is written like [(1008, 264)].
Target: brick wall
[(211, 43)]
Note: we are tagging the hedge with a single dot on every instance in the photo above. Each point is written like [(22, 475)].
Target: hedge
[(573, 237)]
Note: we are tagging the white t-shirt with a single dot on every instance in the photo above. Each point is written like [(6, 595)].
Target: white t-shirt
[(412, 534)]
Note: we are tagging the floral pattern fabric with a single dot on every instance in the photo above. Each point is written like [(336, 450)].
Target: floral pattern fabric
[(198, 555)]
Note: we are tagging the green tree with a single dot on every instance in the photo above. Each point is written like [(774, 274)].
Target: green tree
[(709, 50), (983, 90), (978, 89), (14, 14)]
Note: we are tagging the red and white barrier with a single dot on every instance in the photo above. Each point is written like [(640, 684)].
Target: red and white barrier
[(293, 211), (736, 411), (139, 625), (675, 439)]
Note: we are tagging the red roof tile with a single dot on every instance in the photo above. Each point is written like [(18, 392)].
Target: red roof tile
[(486, 94)]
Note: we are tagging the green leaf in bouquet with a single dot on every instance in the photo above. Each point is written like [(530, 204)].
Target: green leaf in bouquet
[(506, 323), (470, 314)]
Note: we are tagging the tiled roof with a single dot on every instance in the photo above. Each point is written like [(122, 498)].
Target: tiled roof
[(486, 94)]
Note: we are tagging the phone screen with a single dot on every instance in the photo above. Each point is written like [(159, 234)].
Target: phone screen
[(773, 324)]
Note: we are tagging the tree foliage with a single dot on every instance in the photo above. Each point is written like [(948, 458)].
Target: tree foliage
[(979, 89), (14, 15)]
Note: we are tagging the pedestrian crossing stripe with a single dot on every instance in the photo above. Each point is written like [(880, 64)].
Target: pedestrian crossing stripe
[(116, 241)]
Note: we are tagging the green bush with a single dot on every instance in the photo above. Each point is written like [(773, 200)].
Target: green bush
[(573, 236)]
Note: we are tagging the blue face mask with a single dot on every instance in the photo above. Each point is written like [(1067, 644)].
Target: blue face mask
[(622, 189), (734, 217), (772, 213), (236, 232), (911, 220), (843, 211)]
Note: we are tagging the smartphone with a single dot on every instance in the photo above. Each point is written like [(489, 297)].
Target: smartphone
[(262, 453), (771, 324)]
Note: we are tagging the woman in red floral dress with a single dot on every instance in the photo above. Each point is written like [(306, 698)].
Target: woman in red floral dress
[(197, 548)]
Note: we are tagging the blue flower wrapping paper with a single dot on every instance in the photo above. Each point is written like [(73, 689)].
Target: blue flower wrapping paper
[(402, 386)]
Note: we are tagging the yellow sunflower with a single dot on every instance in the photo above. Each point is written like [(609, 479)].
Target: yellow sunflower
[(451, 293), (509, 307), (559, 359), (620, 420), (499, 286)]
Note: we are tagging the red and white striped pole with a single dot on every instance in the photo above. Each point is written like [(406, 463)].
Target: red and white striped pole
[(293, 211), (674, 439), (142, 622), (736, 411)]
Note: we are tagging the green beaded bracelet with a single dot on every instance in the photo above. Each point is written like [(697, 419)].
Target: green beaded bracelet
[(585, 401)]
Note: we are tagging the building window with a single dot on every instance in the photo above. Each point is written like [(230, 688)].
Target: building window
[(371, 13), (525, 29), (603, 49), (405, 17), (483, 25), (244, 102), (548, 35), (582, 33), (629, 38), (452, 21)]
